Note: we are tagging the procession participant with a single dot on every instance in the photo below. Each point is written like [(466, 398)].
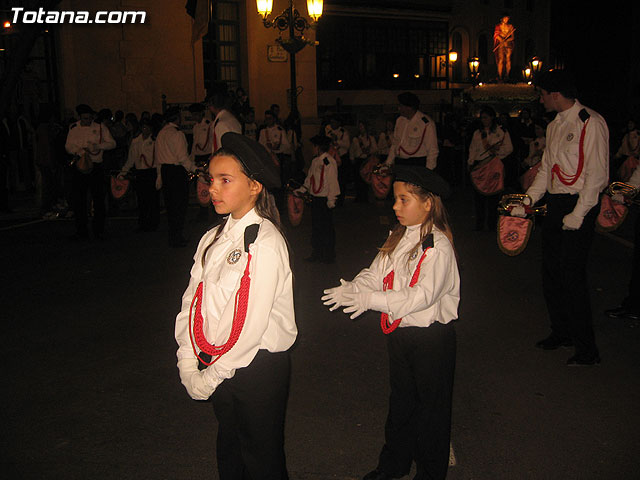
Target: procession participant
[(488, 142), (174, 162), (415, 137), (414, 281), (238, 327), (202, 135), (274, 138), (201, 147), (249, 126), (341, 142), (628, 155), (223, 120), (573, 172), (142, 157), (322, 183), (86, 141), (362, 148), (630, 306), (385, 139)]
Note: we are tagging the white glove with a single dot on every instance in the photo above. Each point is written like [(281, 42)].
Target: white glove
[(617, 198), (335, 296), (193, 379), (158, 182), (518, 212), (571, 222), (358, 303), (331, 203)]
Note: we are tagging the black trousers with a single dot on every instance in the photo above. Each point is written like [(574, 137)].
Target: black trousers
[(632, 302), (362, 189), (175, 188), (564, 276), (250, 408), (93, 182), (418, 428), (486, 207), (344, 175), (413, 161), (323, 234), (148, 207)]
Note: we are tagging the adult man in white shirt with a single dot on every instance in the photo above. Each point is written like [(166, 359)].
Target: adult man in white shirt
[(174, 161), (574, 169), (86, 141), (415, 141), (275, 140), (341, 142)]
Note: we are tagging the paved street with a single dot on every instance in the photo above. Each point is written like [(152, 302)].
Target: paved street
[(92, 390)]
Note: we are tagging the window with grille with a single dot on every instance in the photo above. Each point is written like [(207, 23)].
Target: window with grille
[(368, 53), (221, 45)]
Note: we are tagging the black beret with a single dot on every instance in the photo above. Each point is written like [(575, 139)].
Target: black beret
[(196, 107), (556, 81), (409, 99), (254, 157), (82, 109), (422, 177), (320, 140)]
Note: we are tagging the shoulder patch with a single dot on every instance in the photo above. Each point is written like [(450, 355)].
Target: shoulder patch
[(425, 119), (250, 235), (326, 161), (73, 126), (207, 121), (279, 127), (428, 242), (584, 115)]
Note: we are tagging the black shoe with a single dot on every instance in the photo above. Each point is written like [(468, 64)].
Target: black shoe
[(583, 361), (621, 312), (552, 342), (377, 475)]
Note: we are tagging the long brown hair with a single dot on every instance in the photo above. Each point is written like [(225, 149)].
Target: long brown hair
[(437, 217), (265, 207)]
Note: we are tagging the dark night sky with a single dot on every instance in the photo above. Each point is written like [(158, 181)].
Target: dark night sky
[(594, 42)]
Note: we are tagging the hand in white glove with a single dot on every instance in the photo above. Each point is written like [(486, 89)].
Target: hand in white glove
[(518, 212), (158, 182), (618, 198), (331, 203), (571, 222), (193, 379), (335, 296), (356, 303)]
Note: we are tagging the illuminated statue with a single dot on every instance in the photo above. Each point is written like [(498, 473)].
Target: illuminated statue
[(503, 46)]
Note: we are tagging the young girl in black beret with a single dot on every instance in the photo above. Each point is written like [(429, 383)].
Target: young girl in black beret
[(414, 283), (237, 319)]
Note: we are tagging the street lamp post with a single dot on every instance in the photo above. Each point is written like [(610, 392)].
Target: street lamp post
[(290, 19)]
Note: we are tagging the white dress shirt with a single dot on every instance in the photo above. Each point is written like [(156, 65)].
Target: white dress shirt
[(270, 321), (141, 154), (275, 140), (478, 151), (171, 147), (224, 122), (415, 137), (340, 138), (330, 187), (434, 298), (202, 137), (563, 139), (96, 137), (363, 146)]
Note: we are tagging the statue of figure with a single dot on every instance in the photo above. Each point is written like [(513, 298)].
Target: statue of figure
[(503, 46)]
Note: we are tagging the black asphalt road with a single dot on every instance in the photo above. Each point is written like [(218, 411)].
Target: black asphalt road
[(91, 390)]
